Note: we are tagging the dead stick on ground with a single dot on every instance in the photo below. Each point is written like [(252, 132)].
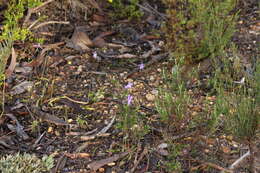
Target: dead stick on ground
[(34, 10), (48, 23), (95, 165), (213, 166), (139, 160), (233, 165), (101, 132)]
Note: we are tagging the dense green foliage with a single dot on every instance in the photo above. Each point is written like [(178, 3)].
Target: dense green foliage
[(14, 13), (173, 99), (25, 163), (12, 29), (199, 29), (124, 9)]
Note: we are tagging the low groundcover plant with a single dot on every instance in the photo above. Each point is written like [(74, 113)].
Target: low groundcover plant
[(25, 163)]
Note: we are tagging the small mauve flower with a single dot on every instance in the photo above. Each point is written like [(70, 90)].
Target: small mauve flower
[(141, 66), (129, 99), (38, 45), (129, 85), (94, 55)]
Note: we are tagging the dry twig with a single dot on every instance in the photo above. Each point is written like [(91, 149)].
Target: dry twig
[(145, 151), (213, 166), (98, 164), (238, 161), (102, 132), (48, 23), (34, 10)]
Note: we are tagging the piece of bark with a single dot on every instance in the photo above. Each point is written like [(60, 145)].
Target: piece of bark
[(100, 163)]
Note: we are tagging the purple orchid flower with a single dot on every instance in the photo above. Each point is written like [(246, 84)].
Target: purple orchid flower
[(129, 99), (141, 66), (129, 85)]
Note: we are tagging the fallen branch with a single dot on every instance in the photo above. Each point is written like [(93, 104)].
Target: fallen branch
[(233, 165), (66, 97)]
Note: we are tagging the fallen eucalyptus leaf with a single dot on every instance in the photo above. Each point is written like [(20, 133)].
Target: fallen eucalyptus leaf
[(22, 87)]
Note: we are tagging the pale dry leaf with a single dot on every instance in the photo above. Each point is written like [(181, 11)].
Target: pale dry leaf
[(99, 40), (100, 163), (49, 117), (7, 142), (53, 119), (79, 41), (12, 65), (22, 87), (23, 70), (18, 128)]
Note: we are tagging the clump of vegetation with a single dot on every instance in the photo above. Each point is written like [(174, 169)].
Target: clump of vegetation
[(25, 163), (237, 107), (14, 13), (199, 29), (5, 51), (173, 164), (173, 100), (126, 9), (131, 122), (235, 111), (237, 98), (12, 30)]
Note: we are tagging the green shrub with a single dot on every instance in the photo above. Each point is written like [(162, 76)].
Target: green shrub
[(130, 11), (199, 29), (25, 163), (12, 31), (244, 117), (14, 13), (237, 104), (173, 164), (173, 99)]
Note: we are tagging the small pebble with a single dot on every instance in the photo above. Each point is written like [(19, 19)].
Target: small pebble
[(111, 164), (206, 151), (150, 97), (152, 78), (101, 169)]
